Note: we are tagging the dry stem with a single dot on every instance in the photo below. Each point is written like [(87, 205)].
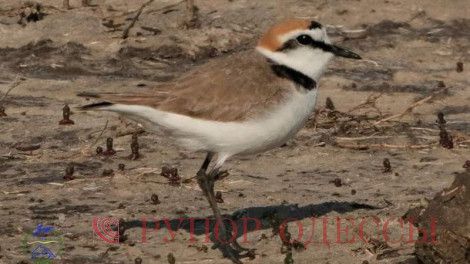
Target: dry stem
[(66, 4), (125, 33), (412, 106)]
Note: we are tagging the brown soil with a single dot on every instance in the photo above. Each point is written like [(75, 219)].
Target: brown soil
[(333, 168)]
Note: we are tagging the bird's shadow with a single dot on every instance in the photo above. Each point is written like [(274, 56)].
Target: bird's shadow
[(247, 220)]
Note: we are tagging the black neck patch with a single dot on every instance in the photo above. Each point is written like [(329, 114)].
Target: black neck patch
[(299, 78)]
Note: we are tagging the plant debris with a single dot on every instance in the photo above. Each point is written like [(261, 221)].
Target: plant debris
[(459, 66), (154, 199), (446, 140), (2, 111), (172, 175), (135, 147), (387, 166), (125, 33), (109, 148), (107, 172), (440, 119), (30, 12), (171, 258), (218, 197), (202, 248), (66, 116), (467, 165), (329, 104), (27, 147), (192, 15), (337, 182), (69, 170), (99, 150)]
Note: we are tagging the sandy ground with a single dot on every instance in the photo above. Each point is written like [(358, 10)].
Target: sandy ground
[(415, 45)]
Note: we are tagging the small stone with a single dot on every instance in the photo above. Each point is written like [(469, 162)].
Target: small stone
[(441, 84), (218, 197), (171, 258), (109, 148), (99, 150), (2, 111), (329, 104), (467, 165), (459, 66), (121, 167), (135, 147), (353, 192), (440, 119), (107, 172), (446, 139), (154, 199), (66, 116), (337, 182), (172, 175), (251, 254), (138, 260), (387, 166), (69, 170)]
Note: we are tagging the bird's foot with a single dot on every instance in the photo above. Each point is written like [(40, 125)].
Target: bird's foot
[(207, 181), (239, 247), (234, 252), (228, 251), (230, 247)]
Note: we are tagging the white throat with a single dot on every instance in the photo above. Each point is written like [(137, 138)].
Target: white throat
[(311, 62)]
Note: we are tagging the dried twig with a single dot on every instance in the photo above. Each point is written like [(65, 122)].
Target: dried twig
[(413, 106), (15, 84), (125, 33), (66, 4), (85, 3), (191, 15), (371, 101), (362, 138), (381, 146), (101, 133)]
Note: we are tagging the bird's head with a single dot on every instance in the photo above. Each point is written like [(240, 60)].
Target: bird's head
[(301, 45)]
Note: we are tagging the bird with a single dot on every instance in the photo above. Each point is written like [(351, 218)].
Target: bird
[(238, 104)]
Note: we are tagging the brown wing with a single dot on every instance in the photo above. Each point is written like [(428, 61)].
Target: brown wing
[(232, 88)]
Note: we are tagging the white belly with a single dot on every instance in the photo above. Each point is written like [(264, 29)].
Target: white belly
[(232, 138)]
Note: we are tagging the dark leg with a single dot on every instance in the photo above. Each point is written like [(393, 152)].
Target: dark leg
[(222, 237), (206, 162)]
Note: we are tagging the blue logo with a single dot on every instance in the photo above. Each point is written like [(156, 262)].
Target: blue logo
[(44, 244)]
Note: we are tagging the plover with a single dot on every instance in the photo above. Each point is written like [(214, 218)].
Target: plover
[(243, 103)]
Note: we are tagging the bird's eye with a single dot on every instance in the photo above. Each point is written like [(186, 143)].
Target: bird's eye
[(304, 39)]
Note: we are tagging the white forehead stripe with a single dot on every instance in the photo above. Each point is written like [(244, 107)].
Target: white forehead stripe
[(316, 34)]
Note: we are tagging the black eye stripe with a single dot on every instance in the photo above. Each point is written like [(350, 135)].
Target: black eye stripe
[(307, 40), (295, 43), (321, 45), (304, 39)]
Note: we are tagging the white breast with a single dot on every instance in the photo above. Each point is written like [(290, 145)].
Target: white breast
[(231, 138)]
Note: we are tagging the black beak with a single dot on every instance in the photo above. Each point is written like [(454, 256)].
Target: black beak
[(342, 52)]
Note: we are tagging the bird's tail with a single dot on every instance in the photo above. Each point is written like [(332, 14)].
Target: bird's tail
[(94, 106)]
